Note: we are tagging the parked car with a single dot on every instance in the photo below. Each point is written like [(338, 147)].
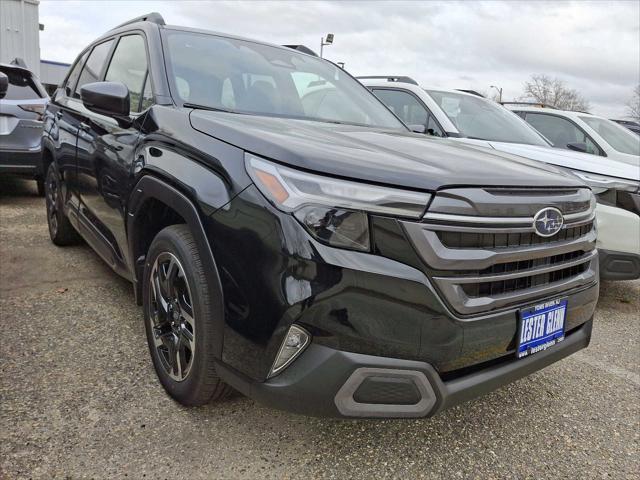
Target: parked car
[(21, 111), (329, 264), (631, 125), (583, 132), (472, 119)]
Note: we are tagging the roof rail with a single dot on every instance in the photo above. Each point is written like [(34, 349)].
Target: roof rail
[(302, 48), (153, 17), (389, 78), (472, 92), (532, 104)]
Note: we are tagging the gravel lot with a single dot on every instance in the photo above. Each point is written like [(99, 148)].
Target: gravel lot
[(79, 398)]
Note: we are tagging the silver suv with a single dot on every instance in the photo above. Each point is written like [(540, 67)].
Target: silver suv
[(21, 112)]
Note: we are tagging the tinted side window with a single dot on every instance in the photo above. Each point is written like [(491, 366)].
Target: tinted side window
[(75, 73), (93, 68), (21, 86), (404, 105), (409, 109), (560, 131), (129, 66)]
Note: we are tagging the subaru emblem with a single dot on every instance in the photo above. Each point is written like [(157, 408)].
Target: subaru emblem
[(548, 221)]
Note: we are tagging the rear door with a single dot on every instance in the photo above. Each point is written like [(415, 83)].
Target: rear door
[(66, 113), (105, 152)]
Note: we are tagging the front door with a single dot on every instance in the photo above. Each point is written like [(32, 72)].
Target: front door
[(106, 151)]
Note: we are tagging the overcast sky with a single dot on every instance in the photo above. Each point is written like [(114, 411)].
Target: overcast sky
[(593, 46)]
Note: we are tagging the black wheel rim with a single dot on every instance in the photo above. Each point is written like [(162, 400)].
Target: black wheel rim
[(171, 316), (51, 198)]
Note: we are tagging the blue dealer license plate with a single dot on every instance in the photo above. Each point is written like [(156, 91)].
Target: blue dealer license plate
[(541, 326)]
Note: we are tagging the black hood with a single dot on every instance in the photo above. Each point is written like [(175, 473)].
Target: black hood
[(388, 157)]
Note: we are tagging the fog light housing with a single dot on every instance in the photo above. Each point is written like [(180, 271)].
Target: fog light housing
[(293, 344)]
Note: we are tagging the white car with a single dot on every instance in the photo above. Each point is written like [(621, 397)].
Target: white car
[(582, 132), (472, 119)]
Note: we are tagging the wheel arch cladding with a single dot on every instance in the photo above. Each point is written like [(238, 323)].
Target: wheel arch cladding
[(47, 157), (151, 189)]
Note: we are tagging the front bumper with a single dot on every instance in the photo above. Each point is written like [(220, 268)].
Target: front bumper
[(618, 243), (619, 265), (384, 305), (376, 312), (329, 382)]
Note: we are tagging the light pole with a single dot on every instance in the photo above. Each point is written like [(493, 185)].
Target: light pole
[(499, 89), (328, 40)]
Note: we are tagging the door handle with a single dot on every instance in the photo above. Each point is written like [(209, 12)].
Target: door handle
[(84, 127)]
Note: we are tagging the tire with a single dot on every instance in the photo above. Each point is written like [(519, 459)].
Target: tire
[(179, 319), (41, 189), (61, 231)]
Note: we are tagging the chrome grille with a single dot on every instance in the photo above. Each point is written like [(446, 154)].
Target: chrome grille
[(482, 263)]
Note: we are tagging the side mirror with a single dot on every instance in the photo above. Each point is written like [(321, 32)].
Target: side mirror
[(417, 128), (577, 147), (106, 98), (4, 84)]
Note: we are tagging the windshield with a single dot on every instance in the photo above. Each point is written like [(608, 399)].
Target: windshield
[(246, 77), (476, 117), (620, 139)]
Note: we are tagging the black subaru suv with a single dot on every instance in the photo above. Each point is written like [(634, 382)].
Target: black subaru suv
[(310, 250)]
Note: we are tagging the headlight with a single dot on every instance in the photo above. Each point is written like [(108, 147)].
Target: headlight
[(613, 191), (334, 211)]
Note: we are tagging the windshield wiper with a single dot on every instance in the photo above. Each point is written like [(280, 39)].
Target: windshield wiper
[(478, 138), (206, 107)]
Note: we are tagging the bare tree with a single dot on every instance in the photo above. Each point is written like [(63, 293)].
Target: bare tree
[(554, 92), (633, 107)]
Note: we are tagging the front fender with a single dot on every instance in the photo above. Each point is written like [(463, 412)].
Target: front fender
[(150, 187)]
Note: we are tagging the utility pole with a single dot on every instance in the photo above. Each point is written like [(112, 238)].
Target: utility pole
[(328, 40), (499, 89)]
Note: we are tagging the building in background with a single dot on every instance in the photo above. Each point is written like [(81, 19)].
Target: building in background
[(52, 74), (20, 39), (20, 33)]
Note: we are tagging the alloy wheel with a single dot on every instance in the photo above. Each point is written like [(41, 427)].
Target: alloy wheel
[(171, 316)]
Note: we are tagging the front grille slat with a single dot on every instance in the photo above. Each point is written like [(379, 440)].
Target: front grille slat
[(508, 240), (501, 287)]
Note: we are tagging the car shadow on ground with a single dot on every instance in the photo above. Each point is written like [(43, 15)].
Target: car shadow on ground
[(11, 186)]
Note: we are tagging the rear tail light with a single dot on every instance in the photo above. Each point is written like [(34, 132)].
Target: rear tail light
[(37, 109)]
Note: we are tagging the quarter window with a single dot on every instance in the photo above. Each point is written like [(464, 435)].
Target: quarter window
[(75, 73), (147, 95), (129, 66), (92, 71), (560, 131)]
